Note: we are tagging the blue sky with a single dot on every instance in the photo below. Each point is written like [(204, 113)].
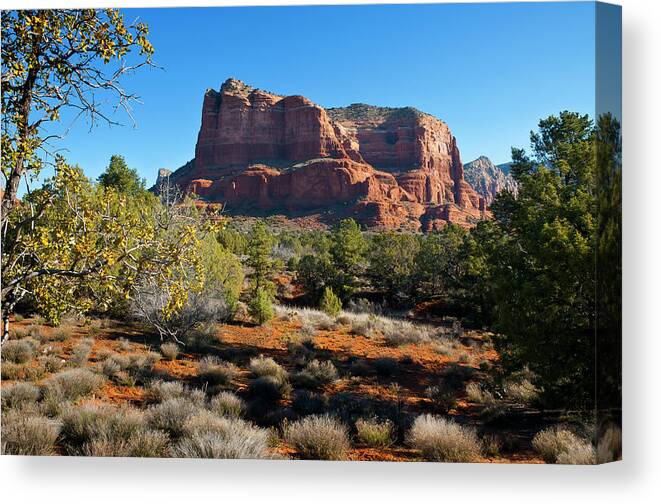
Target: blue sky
[(491, 71)]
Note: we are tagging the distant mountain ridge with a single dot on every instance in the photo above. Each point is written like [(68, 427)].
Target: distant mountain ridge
[(489, 179)]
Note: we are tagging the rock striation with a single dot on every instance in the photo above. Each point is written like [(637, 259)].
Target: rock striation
[(489, 179), (258, 152)]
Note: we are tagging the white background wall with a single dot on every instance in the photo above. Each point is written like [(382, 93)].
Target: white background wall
[(636, 479)]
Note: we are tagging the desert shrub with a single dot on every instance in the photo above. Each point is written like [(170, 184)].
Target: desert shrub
[(51, 363), (269, 389), (553, 442), (442, 396), (216, 372), (317, 374), (60, 335), (443, 346), (110, 367), (18, 317), (309, 403), (159, 391), (374, 433), (17, 351), (171, 415), (578, 454), (475, 393), (202, 338), (441, 440), (124, 345), (35, 331), (238, 440), (72, 384), (227, 404), (398, 333), (386, 366), (11, 371), (100, 430), (330, 304), (19, 394), (27, 434), (170, 351), (609, 445), (491, 445), (200, 308), (521, 391), (260, 307), (318, 437), (81, 353), (143, 443), (266, 366), (363, 325)]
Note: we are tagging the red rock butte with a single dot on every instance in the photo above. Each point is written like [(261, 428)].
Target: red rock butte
[(260, 153)]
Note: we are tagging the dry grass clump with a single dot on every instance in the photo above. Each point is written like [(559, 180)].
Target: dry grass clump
[(318, 437), (159, 391), (71, 384), (362, 325), (443, 345), (170, 351), (19, 394), (609, 445), (375, 433), (171, 415), (227, 404), (24, 433), (477, 394), (11, 371), (521, 391), (266, 366), (400, 332), (60, 335), (51, 363), (217, 372), (18, 351), (317, 374), (560, 445), (315, 319), (106, 431), (124, 345), (81, 352), (223, 438), (441, 440)]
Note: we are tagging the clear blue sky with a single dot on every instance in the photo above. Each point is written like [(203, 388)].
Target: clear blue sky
[(491, 71)]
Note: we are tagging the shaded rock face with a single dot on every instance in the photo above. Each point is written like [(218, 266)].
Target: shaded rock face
[(258, 152), (488, 179)]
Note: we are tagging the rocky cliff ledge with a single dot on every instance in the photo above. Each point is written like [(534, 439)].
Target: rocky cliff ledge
[(258, 153)]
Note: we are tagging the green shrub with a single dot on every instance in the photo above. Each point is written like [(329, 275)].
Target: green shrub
[(441, 440), (318, 438), (374, 433), (260, 307), (330, 304)]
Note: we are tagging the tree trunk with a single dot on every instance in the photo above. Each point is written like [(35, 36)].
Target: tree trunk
[(5, 327)]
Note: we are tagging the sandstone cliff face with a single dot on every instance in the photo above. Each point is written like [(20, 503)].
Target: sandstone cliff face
[(488, 179), (261, 152)]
